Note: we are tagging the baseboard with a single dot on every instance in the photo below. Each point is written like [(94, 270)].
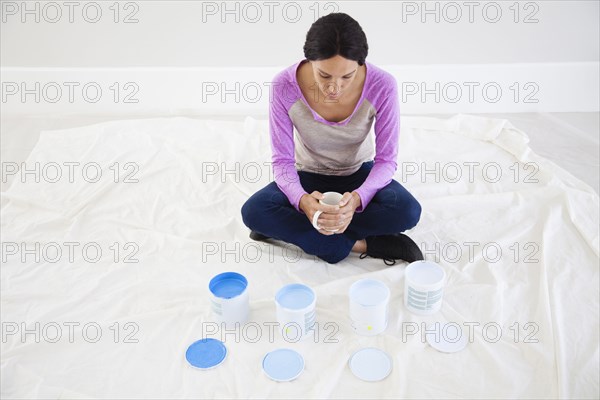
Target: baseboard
[(424, 89)]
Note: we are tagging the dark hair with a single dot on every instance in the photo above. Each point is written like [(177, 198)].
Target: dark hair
[(336, 34)]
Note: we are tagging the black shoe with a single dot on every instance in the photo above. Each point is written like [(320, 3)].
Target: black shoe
[(258, 236), (392, 247)]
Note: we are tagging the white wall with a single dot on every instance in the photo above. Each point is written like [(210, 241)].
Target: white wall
[(173, 33), (550, 49)]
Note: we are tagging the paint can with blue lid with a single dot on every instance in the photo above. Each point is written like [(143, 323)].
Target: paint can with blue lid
[(230, 302)]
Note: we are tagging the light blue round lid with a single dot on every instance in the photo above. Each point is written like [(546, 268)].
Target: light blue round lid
[(228, 285), (370, 364), (283, 365), (206, 353)]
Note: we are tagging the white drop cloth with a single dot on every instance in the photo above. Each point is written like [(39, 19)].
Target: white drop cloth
[(184, 215)]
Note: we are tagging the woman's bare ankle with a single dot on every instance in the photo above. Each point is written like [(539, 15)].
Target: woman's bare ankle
[(360, 246)]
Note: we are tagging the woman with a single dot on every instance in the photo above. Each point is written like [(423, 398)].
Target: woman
[(331, 98)]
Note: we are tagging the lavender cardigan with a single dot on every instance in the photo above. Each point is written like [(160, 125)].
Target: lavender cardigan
[(302, 140)]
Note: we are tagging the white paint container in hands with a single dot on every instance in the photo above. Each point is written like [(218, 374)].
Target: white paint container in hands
[(369, 299), (329, 198)]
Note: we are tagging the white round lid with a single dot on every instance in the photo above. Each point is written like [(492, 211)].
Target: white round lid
[(370, 364), (449, 339)]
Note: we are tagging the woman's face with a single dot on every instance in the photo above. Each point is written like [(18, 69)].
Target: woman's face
[(335, 76)]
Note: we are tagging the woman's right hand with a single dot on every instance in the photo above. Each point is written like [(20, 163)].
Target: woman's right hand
[(309, 204)]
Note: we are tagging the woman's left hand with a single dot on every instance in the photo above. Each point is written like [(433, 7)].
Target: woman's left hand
[(348, 205)]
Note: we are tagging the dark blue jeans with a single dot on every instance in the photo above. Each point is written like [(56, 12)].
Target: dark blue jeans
[(392, 210)]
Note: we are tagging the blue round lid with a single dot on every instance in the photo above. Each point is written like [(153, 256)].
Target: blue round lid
[(283, 365), (206, 353)]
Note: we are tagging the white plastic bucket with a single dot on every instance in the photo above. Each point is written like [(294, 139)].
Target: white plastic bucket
[(424, 287), (230, 302), (369, 299), (296, 313)]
